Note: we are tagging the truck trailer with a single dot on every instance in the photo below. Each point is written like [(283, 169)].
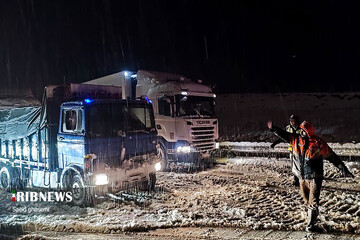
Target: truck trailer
[(184, 115), (82, 138)]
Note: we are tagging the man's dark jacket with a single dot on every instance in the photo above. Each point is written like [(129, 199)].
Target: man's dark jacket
[(309, 152)]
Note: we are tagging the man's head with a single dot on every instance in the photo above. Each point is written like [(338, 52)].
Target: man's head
[(307, 129), (294, 120), (303, 133)]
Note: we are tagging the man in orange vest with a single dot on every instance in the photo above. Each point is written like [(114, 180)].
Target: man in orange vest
[(309, 151)]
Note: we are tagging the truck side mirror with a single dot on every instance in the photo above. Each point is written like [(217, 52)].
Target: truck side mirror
[(183, 99), (165, 98)]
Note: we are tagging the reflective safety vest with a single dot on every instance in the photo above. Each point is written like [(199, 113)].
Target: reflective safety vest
[(290, 129)]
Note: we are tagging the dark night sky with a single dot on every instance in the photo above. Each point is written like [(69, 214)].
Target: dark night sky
[(241, 46)]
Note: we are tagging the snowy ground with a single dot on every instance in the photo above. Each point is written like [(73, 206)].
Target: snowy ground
[(193, 233), (247, 193)]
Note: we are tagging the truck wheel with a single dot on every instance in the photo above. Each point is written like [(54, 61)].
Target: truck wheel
[(78, 190), (162, 155), (5, 180)]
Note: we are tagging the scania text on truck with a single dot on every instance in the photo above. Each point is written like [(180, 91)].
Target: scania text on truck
[(82, 138), (184, 114)]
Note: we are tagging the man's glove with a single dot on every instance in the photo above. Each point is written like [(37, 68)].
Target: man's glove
[(345, 171)]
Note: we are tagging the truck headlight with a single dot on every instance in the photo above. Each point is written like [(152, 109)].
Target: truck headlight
[(101, 179), (157, 166), (217, 145), (185, 149)]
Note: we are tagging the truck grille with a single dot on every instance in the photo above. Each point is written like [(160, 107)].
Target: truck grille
[(203, 138)]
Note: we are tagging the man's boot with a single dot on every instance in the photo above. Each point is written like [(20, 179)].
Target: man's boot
[(296, 181), (312, 215)]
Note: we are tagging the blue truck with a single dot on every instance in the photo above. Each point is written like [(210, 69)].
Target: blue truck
[(83, 138)]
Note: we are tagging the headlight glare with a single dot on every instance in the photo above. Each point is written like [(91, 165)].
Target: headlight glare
[(101, 179), (157, 166), (185, 149)]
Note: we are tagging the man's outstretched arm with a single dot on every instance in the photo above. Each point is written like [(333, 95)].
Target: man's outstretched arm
[(276, 142), (334, 159), (286, 136)]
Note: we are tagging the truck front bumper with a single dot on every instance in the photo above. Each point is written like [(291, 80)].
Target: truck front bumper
[(130, 174)]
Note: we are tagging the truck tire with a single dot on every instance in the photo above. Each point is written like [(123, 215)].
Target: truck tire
[(5, 179), (162, 155), (78, 190)]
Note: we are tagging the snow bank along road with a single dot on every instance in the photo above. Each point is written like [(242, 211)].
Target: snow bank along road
[(346, 151), (246, 193)]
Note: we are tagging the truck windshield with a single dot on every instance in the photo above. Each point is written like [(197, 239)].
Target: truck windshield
[(195, 106), (112, 119)]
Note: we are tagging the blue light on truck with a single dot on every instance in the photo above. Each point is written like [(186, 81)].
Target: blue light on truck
[(88, 100), (148, 100)]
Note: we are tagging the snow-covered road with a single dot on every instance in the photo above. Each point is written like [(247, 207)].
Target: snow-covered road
[(250, 193)]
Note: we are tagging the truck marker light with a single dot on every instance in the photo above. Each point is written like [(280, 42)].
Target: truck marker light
[(101, 179), (184, 93), (87, 165), (214, 96), (88, 100), (157, 166), (148, 100)]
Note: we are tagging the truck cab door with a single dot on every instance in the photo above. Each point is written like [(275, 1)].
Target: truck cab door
[(71, 136)]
